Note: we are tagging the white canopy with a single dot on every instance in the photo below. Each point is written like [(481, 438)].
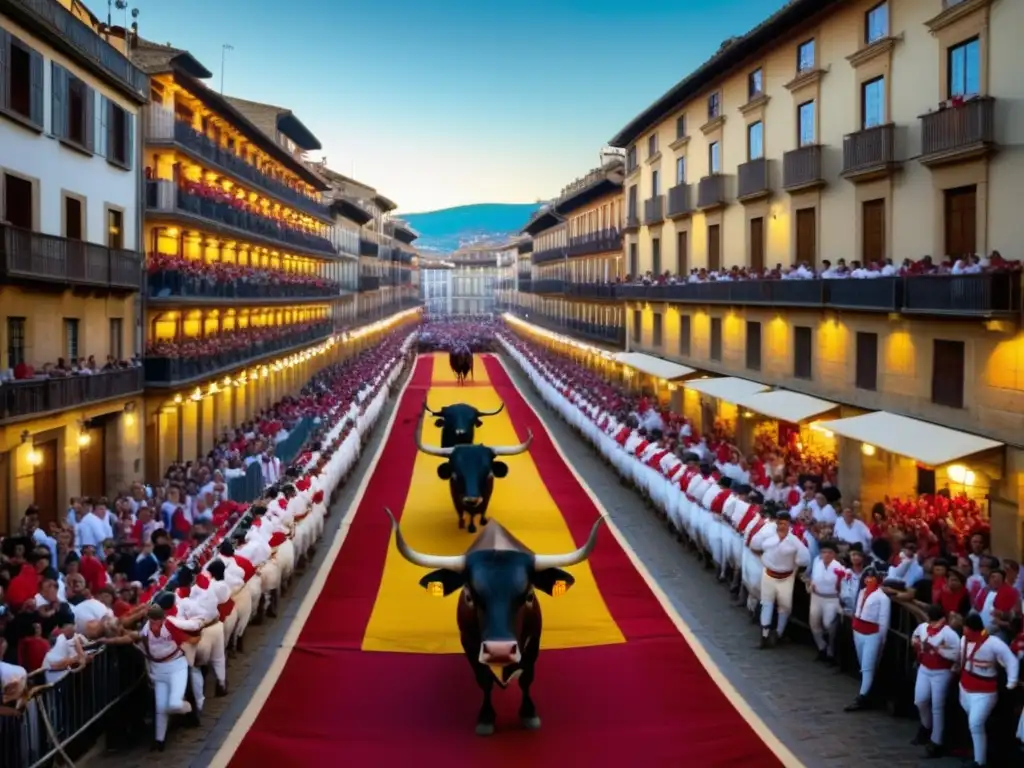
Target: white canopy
[(726, 388), (785, 406), (654, 366), (927, 443)]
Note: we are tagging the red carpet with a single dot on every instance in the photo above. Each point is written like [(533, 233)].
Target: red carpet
[(647, 702)]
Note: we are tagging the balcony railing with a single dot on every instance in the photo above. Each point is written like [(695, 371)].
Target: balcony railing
[(654, 210), (60, 22), (679, 201), (162, 125), (525, 247), (632, 222), (869, 152), (711, 192), (30, 397), (752, 179), (801, 168), (591, 291), (27, 255), (548, 285), (178, 285), (609, 335), (959, 131), (368, 248), (165, 196), (368, 283), (167, 371), (525, 284), (998, 293), (548, 255), (602, 241)]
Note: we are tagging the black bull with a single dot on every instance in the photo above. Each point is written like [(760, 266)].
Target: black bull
[(458, 422), (499, 617), (461, 362), (470, 471)]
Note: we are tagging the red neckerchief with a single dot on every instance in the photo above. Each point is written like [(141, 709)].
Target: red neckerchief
[(972, 636), (934, 629)]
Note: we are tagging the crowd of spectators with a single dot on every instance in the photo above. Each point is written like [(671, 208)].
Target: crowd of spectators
[(221, 342), (164, 270), (63, 368), (473, 332)]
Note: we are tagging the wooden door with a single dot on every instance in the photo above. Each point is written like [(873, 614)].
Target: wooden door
[(93, 464), (682, 257), (44, 483), (714, 247), (961, 222), (873, 234), (807, 236), (757, 243)]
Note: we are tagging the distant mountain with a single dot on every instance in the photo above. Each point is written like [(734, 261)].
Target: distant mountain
[(449, 228)]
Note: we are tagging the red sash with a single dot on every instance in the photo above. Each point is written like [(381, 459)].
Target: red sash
[(623, 436), (865, 627), (971, 681), (718, 503), (641, 447), (225, 609), (655, 461), (246, 565), (747, 518), (277, 540), (755, 530), (671, 474)]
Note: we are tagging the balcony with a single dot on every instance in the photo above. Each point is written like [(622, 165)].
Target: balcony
[(711, 192), (870, 153), (368, 283), (548, 255), (654, 210), (632, 222), (600, 291), (607, 335), (987, 295), (525, 284), (602, 241), (957, 133), (165, 197), (679, 206), (172, 286), (801, 169), (548, 286), (32, 397), (882, 294), (162, 127), (752, 180), (368, 248), (177, 371), (35, 257), (525, 247)]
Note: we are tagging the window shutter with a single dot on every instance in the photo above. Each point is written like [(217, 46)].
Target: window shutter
[(5, 58), (89, 103), (59, 99), (35, 68), (103, 143), (129, 139)]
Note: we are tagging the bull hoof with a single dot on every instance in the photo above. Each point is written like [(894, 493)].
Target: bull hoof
[(484, 521), (530, 723), (472, 528), (485, 729)]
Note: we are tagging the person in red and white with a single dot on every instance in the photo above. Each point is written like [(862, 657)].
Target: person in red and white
[(871, 617), (753, 568), (782, 554), (678, 503), (213, 580), (825, 578), (689, 506), (997, 602), (241, 576), (937, 647), (271, 466), (256, 550), (981, 655)]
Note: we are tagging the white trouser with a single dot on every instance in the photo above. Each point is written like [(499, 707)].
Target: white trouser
[(210, 650), (868, 649), (978, 707), (777, 595), (169, 681), (243, 609), (824, 613), (930, 699)]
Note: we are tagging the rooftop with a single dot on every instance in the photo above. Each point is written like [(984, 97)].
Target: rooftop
[(271, 120)]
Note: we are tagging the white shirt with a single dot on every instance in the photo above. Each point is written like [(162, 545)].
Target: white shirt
[(92, 531), (852, 533), (162, 645), (826, 579), (875, 608), (89, 610), (62, 650), (824, 514), (10, 673), (946, 642), (785, 555), (992, 652)]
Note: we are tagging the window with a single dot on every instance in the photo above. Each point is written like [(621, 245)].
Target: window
[(73, 220), (684, 335), (631, 158), (714, 105), (681, 126), (680, 170), (24, 93), (656, 255), (634, 261), (867, 361), (965, 69), (655, 184), (805, 56), (631, 212), (873, 102), (15, 341), (802, 365), (115, 229), (637, 325), (948, 373), (714, 158), (755, 141), (71, 338), (73, 108), (119, 134), (755, 84), (714, 246), (116, 338), (682, 257), (876, 23), (652, 145), (716, 339), (753, 345), (19, 201), (656, 330), (806, 128)]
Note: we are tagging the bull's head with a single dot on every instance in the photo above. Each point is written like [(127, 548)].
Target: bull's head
[(471, 467), (497, 585), (460, 421)]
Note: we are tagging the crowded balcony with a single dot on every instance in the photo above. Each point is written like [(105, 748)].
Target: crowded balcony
[(711, 192), (601, 241), (63, 386), (654, 210), (870, 153), (549, 255), (182, 359), (548, 285), (752, 180), (679, 205), (27, 256), (175, 279), (163, 126), (801, 168), (959, 130), (230, 209)]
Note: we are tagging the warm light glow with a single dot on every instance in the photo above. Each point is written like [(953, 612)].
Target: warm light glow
[(227, 381), (84, 439), (34, 457), (177, 399), (960, 474), (197, 395), (129, 420), (867, 449), (545, 333), (436, 589), (748, 414), (559, 588)]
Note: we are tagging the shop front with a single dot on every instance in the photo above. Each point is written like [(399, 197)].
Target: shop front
[(657, 378), (710, 403)]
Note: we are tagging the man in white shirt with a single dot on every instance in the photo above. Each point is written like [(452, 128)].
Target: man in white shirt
[(871, 618), (981, 655), (825, 578), (938, 648), (852, 530), (782, 554), (94, 528), (13, 679), (67, 652)]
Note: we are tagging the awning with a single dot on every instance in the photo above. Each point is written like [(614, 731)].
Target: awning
[(785, 406), (654, 366), (927, 443), (726, 388)]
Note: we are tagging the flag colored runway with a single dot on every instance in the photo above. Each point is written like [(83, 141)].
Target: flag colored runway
[(376, 676)]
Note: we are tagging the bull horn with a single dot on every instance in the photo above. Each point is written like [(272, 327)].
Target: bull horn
[(491, 413), (513, 450), (427, 409), (448, 562), (543, 562), (429, 449)]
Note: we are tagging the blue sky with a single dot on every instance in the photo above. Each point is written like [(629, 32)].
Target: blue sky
[(447, 102)]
